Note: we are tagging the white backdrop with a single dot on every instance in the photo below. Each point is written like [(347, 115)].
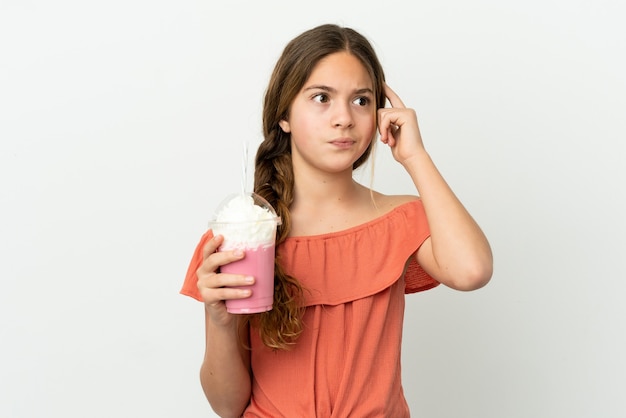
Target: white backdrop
[(121, 126)]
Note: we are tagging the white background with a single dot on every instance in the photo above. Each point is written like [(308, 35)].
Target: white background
[(121, 128)]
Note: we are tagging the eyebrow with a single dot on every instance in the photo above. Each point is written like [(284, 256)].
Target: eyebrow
[(333, 90)]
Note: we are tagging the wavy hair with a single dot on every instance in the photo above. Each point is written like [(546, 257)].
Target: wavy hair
[(273, 175)]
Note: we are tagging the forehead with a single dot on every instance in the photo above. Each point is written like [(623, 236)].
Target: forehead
[(340, 68)]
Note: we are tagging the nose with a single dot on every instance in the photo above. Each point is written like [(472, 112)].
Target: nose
[(342, 116)]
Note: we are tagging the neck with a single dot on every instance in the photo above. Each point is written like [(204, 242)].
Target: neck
[(325, 189), (329, 203)]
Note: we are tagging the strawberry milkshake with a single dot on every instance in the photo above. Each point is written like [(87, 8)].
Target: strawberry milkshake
[(248, 222)]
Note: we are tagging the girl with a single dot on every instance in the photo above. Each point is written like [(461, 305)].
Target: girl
[(346, 254)]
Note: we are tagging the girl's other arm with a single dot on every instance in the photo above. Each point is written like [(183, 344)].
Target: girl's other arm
[(457, 253)]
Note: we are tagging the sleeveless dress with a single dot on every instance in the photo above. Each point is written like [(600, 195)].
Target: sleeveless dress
[(346, 363)]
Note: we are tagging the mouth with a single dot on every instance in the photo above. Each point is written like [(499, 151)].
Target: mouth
[(343, 142)]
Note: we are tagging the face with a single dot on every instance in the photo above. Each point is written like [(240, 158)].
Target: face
[(332, 120)]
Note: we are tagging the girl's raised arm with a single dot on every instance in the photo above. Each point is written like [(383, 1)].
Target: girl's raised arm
[(457, 253)]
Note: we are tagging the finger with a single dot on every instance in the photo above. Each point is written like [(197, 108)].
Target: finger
[(234, 293), (211, 246), (215, 288), (382, 129), (384, 125), (214, 260), (393, 98), (221, 280)]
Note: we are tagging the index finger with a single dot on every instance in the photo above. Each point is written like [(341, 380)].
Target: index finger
[(393, 98), (211, 246)]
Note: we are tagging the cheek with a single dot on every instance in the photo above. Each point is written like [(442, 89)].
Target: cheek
[(369, 130), (304, 125), (371, 126)]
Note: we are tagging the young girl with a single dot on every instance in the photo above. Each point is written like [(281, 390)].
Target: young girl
[(346, 255)]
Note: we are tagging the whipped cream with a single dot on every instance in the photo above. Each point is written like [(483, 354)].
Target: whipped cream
[(244, 224)]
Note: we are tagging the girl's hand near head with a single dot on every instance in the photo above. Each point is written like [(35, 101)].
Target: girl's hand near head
[(215, 287), (399, 129)]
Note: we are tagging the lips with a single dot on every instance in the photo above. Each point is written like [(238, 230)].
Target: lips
[(343, 142)]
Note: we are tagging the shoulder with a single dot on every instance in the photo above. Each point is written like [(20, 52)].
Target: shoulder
[(387, 203)]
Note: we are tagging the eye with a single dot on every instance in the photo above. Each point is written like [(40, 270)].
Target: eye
[(361, 101), (320, 98)]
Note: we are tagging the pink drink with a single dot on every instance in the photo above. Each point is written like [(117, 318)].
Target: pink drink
[(248, 222), (259, 263)]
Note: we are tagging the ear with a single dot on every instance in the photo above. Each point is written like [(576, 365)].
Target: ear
[(284, 125)]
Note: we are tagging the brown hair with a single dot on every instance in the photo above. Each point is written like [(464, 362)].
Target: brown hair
[(273, 174)]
